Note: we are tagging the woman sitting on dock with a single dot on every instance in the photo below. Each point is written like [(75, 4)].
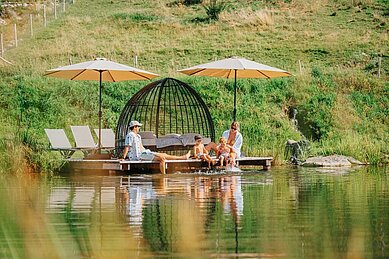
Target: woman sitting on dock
[(136, 152), (234, 138)]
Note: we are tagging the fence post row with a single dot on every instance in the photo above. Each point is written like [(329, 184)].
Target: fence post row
[(44, 16), (15, 35), (31, 30), (55, 9), (2, 45), (30, 23)]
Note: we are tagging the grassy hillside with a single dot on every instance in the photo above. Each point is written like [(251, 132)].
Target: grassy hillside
[(334, 48)]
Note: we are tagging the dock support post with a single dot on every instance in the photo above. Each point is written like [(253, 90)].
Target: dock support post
[(267, 165)]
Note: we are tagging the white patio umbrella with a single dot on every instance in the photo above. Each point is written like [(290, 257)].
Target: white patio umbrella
[(235, 67), (101, 70)]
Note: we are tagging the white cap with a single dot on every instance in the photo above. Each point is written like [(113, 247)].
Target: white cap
[(135, 123)]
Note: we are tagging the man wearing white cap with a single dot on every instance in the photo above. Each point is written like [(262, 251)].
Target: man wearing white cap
[(135, 150)]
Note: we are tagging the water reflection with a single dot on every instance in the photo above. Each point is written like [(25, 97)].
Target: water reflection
[(152, 207), (290, 213)]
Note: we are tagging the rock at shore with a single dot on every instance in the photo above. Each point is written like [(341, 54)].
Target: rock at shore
[(331, 161)]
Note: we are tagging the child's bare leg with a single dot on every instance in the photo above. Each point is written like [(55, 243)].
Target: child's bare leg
[(221, 161), (233, 161), (233, 157), (211, 161), (205, 158), (209, 158)]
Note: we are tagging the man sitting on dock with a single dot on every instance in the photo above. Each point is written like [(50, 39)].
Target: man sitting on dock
[(136, 152)]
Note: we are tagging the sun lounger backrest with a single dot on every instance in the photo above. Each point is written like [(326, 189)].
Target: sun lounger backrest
[(148, 138), (58, 139), (167, 140), (147, 135), (107, 138), (188, 139), (83, 137)]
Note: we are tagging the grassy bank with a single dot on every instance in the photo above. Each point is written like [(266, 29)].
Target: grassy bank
[(334, 48)]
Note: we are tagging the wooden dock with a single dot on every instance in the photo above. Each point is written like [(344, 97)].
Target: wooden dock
[(139, 167)]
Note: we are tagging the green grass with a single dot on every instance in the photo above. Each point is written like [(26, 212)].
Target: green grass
[(337, 92)]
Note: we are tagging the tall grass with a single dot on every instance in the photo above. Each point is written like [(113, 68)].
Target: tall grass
[(244, 17), (362, 147)]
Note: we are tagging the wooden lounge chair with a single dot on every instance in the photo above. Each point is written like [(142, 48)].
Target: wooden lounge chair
[(60, 142), (84, 139)]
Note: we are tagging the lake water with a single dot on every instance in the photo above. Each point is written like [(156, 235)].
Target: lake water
[(285, 212)]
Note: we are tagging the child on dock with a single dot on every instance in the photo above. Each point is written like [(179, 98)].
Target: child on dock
[(199, 151), (223, 153)]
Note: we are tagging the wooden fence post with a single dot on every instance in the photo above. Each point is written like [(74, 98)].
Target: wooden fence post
[(136, 61), (31, 29), (301, 70), (55, 9), (15, 35), (44, 16), (64, 6), (2, 44), (379, 66)]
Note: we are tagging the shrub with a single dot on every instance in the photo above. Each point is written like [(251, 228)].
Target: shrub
[(136, 17), (214, 9), (184, 2), (315, 116), (191, 2)]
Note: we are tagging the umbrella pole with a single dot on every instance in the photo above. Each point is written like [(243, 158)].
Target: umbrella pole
[(101, 86), (234, 115)]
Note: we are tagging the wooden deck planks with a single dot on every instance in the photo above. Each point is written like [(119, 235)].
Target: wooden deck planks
[(153, 166)]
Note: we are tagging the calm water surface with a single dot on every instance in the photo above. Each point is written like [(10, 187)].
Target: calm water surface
[(288, 212)]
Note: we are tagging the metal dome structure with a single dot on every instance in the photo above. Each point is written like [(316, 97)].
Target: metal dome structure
[(164, 107)]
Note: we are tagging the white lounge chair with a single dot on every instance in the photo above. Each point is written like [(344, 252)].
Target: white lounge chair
[(107, 138), (60, 142), (84, 139)]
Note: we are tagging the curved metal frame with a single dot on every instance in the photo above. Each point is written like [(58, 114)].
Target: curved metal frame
[(166, 106)]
